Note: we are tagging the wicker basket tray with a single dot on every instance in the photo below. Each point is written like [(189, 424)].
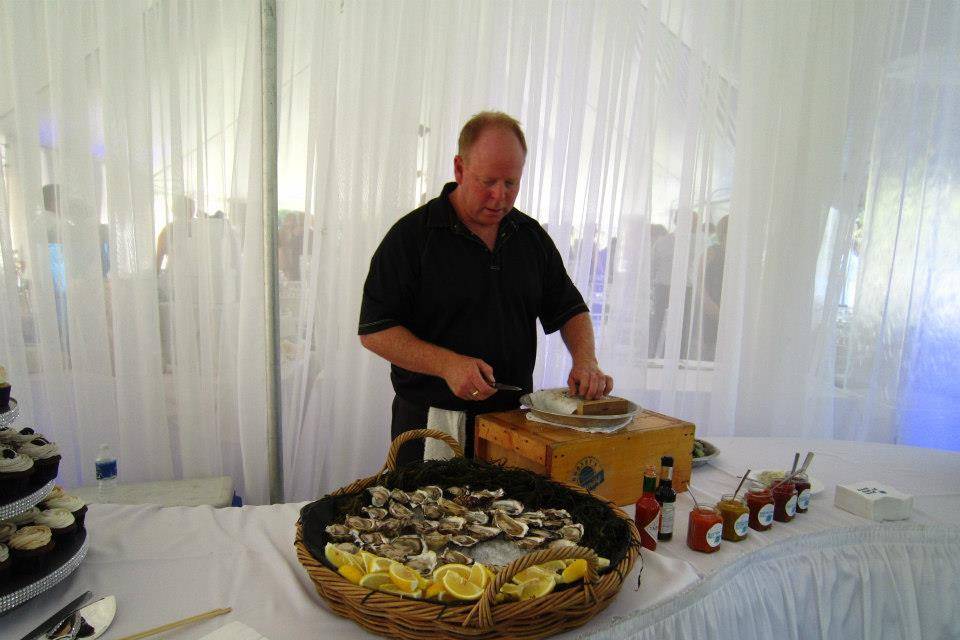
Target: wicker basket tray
[(395, 617)]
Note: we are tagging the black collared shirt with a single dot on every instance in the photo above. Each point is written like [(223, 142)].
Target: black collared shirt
[(433, 276)]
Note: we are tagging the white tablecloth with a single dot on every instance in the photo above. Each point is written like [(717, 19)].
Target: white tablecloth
[(826, 575)]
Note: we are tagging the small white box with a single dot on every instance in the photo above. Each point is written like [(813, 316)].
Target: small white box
[(874, 501)]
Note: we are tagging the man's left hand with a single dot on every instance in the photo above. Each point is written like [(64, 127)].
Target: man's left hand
[(587, 381)]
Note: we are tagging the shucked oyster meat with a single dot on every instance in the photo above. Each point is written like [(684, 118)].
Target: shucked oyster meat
[(379, 496), (399, 510), (509, 507)]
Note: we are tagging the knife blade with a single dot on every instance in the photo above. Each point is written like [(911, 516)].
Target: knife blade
[(505, 387), (58, 616)]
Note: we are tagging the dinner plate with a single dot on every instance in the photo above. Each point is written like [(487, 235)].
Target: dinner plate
[(815, 485), (574, 420), (711, 451)]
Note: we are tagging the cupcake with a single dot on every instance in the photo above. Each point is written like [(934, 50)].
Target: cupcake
[(56, 492), (6, 530), (30, 548), (46, 459), (23, 436), (4, 561), (61, 522), (4, 390), (7, 434), (16, 470), (73, 504), (24, 518)]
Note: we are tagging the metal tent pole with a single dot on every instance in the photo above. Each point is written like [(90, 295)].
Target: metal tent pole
[(268, 169)]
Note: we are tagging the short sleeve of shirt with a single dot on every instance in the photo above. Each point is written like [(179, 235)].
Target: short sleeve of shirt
[(561, 299), (390, 285)]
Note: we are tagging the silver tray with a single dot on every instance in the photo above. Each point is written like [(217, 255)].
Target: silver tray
[(66, 566), (10, 414), (18, 506)]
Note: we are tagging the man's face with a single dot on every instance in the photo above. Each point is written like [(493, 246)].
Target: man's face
[(488, 178)]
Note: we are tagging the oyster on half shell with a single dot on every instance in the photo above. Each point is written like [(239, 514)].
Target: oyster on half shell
[(452, 508), (452, 524), (401, 511), (463, 540), (379, 495), (512, 527), (436, 540), (452, 556), (509, 507), (432, 511), (530, 542), (482, 532), (411, 545), (572, 532), (361, 524), (425, 562), (376, 513), (340, 532), (477, 517)]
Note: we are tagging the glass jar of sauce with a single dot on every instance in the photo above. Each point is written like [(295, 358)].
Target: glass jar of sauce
[(784, 501), (704, 529), (736, 517), (760, 503), (803, 492)]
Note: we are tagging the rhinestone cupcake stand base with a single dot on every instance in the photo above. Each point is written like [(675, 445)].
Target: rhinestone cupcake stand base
[(65, 557)]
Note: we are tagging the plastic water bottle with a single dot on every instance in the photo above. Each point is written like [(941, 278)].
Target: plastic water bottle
[(106, 472)]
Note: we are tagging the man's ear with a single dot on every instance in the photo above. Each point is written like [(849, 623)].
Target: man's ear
[(458, 169)]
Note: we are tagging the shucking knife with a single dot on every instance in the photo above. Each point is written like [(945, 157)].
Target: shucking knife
[(58, 616), (505, 387)]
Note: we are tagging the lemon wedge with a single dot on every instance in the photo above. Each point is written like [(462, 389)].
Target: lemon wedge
[(397, 591), (434, 590), (478, 575), (511, 591), (532, 573), (576, 571), (375, 580), (338, 557), (404, 577), (537, 588), (351, 573), (459, 588), (553, 566), (461, 569)]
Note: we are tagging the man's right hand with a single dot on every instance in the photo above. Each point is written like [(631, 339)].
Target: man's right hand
[(469, 378)]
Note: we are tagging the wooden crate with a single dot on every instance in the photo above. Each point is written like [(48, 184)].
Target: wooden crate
[(610, 465)]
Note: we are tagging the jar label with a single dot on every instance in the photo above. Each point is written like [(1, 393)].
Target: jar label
[(765, 516), (666, 517), (742, 524), (713, 535), (652, 527), (792, 506), (803, 500)]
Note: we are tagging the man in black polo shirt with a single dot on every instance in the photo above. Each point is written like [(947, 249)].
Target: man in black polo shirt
[(456, 286)]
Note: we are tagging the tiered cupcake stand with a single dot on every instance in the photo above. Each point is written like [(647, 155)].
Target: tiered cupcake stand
[(64, 559)]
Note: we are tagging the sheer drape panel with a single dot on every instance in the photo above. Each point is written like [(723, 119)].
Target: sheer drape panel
[(712, 173), (140, 323)]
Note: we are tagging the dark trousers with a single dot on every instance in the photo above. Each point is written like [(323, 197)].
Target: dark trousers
[(408, 416)]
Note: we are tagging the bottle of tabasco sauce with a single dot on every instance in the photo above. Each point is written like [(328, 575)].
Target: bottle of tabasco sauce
[(648, 510), (666, 496)]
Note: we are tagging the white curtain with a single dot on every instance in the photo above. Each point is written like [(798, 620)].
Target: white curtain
[(131, 236), (799, 158)]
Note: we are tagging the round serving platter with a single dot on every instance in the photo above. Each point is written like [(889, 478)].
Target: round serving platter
[(63, 560)]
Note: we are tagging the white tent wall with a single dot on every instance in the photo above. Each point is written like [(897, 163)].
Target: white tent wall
[(139, 282), (673, 113)]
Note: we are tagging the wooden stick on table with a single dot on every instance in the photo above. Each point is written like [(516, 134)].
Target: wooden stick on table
[(213, 613)]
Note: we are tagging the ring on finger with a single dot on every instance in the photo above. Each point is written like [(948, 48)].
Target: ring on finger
[(475, 393)]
